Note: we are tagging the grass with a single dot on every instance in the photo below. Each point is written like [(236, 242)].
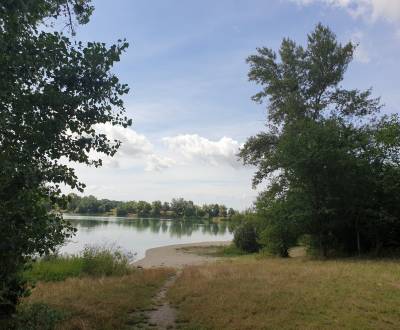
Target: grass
[(93, 261), (227, 251), (112, 302), (96, 289), (296, 293), (56, 269)]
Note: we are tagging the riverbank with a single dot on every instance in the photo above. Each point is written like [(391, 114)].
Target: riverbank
[(177, 256), (245, 292)]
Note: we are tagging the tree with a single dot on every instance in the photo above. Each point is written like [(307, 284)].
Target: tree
[(143, 208), (156, 207), (222, 212), (231, 212), (324, 145), (165, 207), (54, 94), (178, 207), (190, 210)]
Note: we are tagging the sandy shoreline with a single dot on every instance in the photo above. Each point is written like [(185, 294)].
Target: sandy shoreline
[(175, 256)]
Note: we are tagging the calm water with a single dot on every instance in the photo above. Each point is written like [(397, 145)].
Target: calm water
[(138, 235)]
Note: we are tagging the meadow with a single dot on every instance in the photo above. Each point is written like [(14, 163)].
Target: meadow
[(100, 290), (97, 289), (254, 292)]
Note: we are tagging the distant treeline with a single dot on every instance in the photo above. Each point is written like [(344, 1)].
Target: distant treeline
[(177, 208)]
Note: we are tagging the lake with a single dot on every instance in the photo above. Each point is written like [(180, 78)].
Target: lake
[(138, 235)]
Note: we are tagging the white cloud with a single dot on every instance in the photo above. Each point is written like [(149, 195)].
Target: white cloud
[(133, 144), (372, 10), (194, 147), (158, 163), (135, 149)]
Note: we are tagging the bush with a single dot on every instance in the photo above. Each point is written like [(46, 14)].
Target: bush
[(246, 238), (105, 261), (93, 261), (277, 240), (37, 316)]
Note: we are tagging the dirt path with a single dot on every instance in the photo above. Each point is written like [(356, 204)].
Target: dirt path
[(161, 315), (164, 315)]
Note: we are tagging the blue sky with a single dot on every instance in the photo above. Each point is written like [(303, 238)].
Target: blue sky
[(190, 98)]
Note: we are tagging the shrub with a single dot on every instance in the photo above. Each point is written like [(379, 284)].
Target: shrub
[(105, 261), (37, 316), (93, 261), (246, 238)]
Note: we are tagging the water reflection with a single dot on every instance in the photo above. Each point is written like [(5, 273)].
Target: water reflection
[(175, 228), (138, 235)]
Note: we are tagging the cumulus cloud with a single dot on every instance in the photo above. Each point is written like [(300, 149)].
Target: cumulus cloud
[(138, 151), (135, 149), (158, 163), (373, 10), (195, 147), (133, 144)]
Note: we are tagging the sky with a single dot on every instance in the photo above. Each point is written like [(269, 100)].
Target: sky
[(190, 98)]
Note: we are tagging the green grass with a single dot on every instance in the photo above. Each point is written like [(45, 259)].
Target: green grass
[(93, 261), (295, 293), (228, 251), (56, 269)]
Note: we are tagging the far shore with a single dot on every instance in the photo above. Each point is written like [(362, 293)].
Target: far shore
[(174, 255)]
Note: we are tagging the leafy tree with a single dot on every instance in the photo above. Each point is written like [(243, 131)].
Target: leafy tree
[(53, 94), (73, 202), (89, 204), (246, 237), (178, 206), (190, 210), (231, 212), (143, 209), (325, 145), (213, 210), (165, 207), (156, 207), (200, 211), (122, 210), (222, 211)]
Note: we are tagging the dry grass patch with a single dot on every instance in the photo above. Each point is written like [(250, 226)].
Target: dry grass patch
[(101, 303), (289, 294)]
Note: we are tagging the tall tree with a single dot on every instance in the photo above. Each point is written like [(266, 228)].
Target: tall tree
[(54, 92), (321, 147)]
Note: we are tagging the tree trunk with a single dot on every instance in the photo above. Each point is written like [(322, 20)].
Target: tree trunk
[(358, 238)]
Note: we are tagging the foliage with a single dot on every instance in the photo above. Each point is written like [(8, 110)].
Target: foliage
[(38, 316), (332, 163), (103, 261), (55, 93), (246, 237), (177, 208), (280, 221), (92, 261)]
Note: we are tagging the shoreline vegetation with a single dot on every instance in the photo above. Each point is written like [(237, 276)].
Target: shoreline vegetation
[(177, 209), (301, 291)]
